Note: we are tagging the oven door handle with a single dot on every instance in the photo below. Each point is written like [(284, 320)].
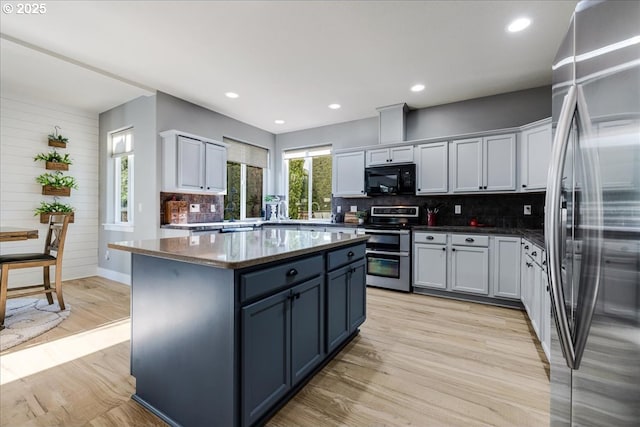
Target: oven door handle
[(374, 252), (369, 231)]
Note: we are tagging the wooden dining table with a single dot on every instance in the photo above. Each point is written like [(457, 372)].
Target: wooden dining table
[(10, 234)]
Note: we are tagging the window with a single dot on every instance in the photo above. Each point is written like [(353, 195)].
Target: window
[(246, 168), (122, 156), (308, 173)]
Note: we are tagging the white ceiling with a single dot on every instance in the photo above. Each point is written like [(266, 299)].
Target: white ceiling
[(288, 59)]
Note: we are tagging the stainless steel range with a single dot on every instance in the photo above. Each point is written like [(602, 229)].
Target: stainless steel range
[(389, 247)]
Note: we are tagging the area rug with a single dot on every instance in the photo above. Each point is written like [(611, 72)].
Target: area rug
[(27, 318)]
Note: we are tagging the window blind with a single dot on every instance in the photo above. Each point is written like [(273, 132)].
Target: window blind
[(248, 154), (122, 143), (322, 150)]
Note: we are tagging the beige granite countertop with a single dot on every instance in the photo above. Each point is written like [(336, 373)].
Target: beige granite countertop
[(239, 250)]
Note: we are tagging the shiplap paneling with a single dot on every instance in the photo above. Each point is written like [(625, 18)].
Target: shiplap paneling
[(24, 126)]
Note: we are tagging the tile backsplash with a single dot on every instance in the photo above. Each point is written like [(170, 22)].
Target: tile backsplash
[(499, 210), (204, 200)]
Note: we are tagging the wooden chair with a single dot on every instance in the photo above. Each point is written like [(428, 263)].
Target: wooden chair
[(55, 242)]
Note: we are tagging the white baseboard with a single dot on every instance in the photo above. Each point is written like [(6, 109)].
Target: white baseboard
[(114, 275)]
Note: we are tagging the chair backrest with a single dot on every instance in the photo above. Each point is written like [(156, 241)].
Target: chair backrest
[(57, 233)]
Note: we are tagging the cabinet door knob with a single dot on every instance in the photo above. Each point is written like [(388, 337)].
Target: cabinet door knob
[(453, 249), (201, 187), (485, 187), (524, 186), (526, 246), (292, 272), (480, 187), (350, 254), (429, 237), (419, 189), (469, 239), (444, 249), (529, 264), (208, 188), (534, 253)]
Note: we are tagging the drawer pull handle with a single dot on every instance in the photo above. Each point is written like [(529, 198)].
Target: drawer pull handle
[(350, 254), (534, 253), (469, 239), (292, 272), (429, 237)]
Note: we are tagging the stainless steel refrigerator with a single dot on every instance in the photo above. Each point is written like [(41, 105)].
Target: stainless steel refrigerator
[(592, 222)]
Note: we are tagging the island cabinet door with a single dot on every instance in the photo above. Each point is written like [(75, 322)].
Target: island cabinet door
[(307, 327), (337, 306), (357, 297), (266, 348)]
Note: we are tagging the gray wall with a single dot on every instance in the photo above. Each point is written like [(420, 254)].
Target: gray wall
[(175, 113), (474, 115), (480, 114), (141, 114)]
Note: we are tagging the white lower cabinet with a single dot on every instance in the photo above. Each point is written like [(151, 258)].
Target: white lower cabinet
[(470, 269), (535, 294), (506, 267), (430, 266)]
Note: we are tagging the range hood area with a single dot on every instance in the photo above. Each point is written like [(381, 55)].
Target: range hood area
[(392, 123)]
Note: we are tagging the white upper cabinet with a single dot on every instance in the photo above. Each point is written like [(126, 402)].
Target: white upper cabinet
[(467, 165), (193, 164), (432, 168), (536, 145), (348, 174), (385, 156), (484, 164)]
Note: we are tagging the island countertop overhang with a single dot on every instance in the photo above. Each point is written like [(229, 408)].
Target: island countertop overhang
[(239, 250)]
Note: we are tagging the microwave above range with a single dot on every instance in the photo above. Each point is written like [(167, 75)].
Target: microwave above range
[(390, 180)]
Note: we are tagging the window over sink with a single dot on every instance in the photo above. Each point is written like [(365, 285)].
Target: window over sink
[(246, 168)]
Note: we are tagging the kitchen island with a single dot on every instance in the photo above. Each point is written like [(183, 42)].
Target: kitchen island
[(226, 328)]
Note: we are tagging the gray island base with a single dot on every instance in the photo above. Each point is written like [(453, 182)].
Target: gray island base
[(227, 327)]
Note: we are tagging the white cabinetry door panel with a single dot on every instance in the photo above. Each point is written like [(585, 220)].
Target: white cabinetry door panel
[(536, 153), (506, 267), (216, 168), (430, 266), (402, 154), (499, 166), (467, 165), (190, 154), (470, 269), (378, 157), (432, 168), (348, 174)]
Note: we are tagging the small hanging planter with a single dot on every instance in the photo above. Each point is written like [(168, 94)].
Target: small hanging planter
[(54, 160), (57, 166), (44, 217), (50, 190), (56, 139)]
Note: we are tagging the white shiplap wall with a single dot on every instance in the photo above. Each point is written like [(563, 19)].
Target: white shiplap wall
[(24, 126)]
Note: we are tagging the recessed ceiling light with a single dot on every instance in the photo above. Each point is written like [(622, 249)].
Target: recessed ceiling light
[(519, 25), (417, 88), (278, 122), (231, 95), (334, 106)]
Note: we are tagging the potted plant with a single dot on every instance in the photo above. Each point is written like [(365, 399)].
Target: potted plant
[(45, 210), (361, 215), (56, 139), (54, 160), (56, 184)]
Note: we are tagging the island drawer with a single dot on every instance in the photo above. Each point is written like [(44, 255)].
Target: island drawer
[(270, 279), (470, 240), (340, 257)]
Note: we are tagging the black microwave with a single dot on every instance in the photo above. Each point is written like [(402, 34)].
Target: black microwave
[(390, 180)]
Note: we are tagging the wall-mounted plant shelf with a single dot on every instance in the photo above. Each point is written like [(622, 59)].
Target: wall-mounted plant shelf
[(44, 217), (50, 190)]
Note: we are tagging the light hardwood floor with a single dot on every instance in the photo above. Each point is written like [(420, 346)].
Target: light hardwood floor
[(418, 361)]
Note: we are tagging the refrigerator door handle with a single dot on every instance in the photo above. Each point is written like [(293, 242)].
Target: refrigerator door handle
[(591, 231), (553, 224)]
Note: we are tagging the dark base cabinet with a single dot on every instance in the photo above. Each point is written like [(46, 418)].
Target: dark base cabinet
[(215, 346), (346, 307), (281, 344)]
